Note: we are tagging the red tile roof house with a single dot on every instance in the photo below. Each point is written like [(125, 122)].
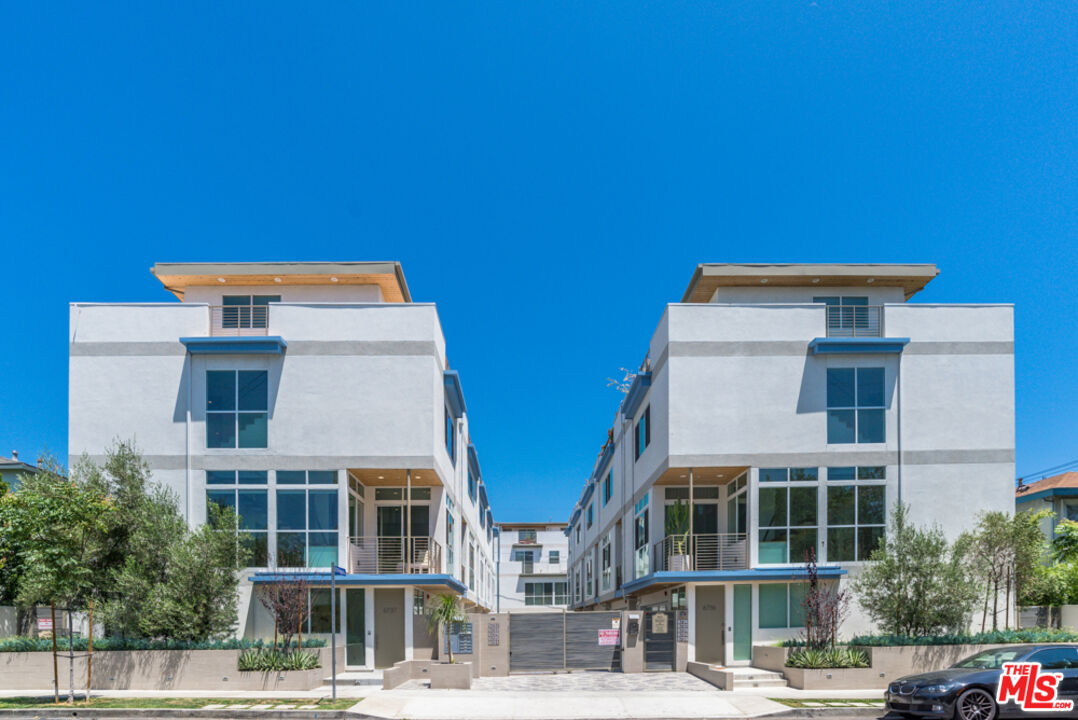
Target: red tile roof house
[(1058, 493)]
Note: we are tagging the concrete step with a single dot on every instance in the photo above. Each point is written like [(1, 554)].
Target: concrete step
[(751, 677), (364, 678), (768, 683)]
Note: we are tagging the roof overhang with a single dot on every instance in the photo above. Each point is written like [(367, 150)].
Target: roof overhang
[(854, 346), (389, 276), (667, 577), (435, 582), (229, 345), (1050, 492), (454, 394), (711, 276)]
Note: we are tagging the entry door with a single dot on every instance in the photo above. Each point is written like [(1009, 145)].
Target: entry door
[(711, 624), (742, 622), (388, 627), (659, 628), (355, 652)]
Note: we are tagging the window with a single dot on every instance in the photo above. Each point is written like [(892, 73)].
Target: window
[(589, 587), (236, 408), (578, 534), (450, 539), (523, 556), (576, 586), (781, 606), (640, 537), (246, 311), (471, 485), (591, 515), (1070, 511), (855, 405), (449, 436), (608, 487), (855, 520), (1062, 658), (605, 559), (306, 519), (321, 612), (545, 593), (789, 474), (737, 505), (643, 432), (787, 524), (249, 504), (527, 536), (471, 565), (850, 313), (555, 557), (419, 601)]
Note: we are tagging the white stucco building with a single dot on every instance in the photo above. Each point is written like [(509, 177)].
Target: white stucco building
[(532, 559), (316, 400), (799, 403)]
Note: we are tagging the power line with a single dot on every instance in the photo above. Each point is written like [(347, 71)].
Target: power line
[(1054, 469)]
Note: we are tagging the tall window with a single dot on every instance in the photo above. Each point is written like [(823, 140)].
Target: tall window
[(471, 486), (855, 405), (589, 586), (306, 519), (450, 538), (591, 515), (640, 537), (471, 564), (643, 432), (237, 403), (787, 523), (608, 487), (449, 436), (607, 575), (555, 557), (856, 512), (246, 311), (240, 492)]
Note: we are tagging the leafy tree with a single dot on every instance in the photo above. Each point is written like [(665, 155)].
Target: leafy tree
[(1065, 544), (915, 583), (4, 487), (443, 613)]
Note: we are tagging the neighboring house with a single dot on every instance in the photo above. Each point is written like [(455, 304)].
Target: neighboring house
[(11, 468), (316, 400), (532, 559), (1058, 493), (789, 407)]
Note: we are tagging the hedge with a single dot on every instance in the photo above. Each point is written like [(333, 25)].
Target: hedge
[(29, 644), (997, 637)]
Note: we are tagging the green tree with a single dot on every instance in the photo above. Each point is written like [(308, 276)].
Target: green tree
[(4, 487), (443, 613), (1065, 544), (915, 583)]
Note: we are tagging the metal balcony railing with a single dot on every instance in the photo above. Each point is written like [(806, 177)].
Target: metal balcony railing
[(394, 555), (854, 321), (239, 319), (680, 553)]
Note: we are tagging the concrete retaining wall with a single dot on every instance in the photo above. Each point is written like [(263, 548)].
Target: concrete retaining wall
[(404, 671), (722, 679), (157, 670)]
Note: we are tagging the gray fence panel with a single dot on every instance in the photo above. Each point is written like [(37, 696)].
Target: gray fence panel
[(536, 641), (582, 648)]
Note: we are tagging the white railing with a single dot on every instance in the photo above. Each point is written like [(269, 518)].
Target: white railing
[(680, 553), (239, 319), (854, 321), (394, 555)]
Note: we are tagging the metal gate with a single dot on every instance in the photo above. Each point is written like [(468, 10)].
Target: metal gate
[(561, 641), (659, 629)]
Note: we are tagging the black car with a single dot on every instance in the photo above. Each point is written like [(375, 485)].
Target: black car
[(967, 689)]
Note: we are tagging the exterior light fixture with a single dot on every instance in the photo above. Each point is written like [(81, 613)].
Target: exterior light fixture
[(277, 280), (333, 279), (220, 279)]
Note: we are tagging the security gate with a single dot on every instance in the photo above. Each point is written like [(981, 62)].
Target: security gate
[(659, 643), (562, 641)]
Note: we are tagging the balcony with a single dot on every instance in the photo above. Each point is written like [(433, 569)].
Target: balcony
[(394, 556), (239, 320), (683, 553), (855, 321), (530, 567)]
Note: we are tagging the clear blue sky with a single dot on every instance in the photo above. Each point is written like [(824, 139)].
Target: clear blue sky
[(548, 173)]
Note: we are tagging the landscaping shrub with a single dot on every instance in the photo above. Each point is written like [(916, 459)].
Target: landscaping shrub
[(836, 657), (265, 659), (28, 644), (998, 637)]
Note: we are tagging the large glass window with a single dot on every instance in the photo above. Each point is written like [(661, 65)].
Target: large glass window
[(545, 593), (643, 432), (608, 487), (788, 523), (640, 537), (856, 516), (237, 403), (450, 433), (781, 605), (855, 405), (591, 515), (249, 504), (306, 519)]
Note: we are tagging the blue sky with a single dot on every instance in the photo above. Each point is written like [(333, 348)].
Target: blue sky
[(548, 173)]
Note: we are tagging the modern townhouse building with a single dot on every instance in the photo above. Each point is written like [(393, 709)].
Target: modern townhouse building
[(783, 409), (532, 559), (316, 400)]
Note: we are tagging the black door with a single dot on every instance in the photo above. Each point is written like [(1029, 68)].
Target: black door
[(659, 640)]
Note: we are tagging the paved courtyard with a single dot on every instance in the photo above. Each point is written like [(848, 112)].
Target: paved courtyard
[(594, 682)]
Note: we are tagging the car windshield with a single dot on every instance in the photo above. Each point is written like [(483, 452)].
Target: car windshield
[(989, 659)]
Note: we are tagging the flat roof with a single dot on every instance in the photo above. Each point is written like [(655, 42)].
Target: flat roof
[(389, 276), (532, 525), (711, 276)]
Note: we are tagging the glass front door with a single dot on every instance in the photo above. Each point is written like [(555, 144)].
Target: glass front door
[(742, 622), (355, 651)]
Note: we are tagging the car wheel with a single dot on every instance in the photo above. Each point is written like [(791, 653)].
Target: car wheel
[(975, 704)]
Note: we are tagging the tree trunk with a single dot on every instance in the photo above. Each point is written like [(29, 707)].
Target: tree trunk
[(995, 603), (55, 669), (984, 616), (71, 656)]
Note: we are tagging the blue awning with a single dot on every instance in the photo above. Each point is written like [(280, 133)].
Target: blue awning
[(322, 578), (667, 577), (261, 345), (453, 394), (849, 346)]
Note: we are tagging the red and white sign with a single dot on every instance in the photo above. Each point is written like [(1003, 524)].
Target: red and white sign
[(1025, 684), (609, 637), (44, 623)]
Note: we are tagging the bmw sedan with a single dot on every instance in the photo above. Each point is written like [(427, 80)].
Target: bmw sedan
[(967, 690)]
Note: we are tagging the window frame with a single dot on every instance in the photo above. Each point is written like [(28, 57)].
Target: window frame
[(863, 478), (856, 411), (235, 411), (643, 432)]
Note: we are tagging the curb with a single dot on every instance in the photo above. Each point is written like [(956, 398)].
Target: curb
[(831, 712), (175, 714)]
